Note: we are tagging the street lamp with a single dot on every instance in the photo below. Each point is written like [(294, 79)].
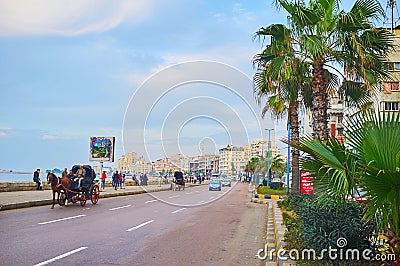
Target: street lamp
[(269, 151)]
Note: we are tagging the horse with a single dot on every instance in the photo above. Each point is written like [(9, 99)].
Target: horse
[(57, 184)]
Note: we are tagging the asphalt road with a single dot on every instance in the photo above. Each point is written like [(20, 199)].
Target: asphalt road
[(190, 227)]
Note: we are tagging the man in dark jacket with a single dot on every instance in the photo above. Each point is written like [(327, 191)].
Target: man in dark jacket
[(36, 179)]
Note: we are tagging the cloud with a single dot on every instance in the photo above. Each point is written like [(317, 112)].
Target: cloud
[(50, 137), (67, 17), (3, 134)]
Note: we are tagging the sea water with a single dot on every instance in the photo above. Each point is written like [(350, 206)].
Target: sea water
[(18, 177)]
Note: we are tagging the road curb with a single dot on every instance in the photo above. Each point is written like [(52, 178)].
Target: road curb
[(274, 240), (35, 203), (268, 196)]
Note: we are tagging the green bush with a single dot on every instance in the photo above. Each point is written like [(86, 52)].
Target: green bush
[(324, 224), (275, 185), (269, 191)]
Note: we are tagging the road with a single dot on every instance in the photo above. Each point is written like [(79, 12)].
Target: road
[(190, 227)]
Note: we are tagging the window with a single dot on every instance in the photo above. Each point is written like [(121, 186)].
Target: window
[(392, 106), (396, 65), (340, 119), (388, 87)]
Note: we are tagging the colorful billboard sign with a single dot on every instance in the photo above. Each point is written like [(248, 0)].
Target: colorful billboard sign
[(306, 184), (102, 149)]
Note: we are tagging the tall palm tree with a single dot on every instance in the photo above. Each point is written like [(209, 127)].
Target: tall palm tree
[(327, 36), (282, 79)]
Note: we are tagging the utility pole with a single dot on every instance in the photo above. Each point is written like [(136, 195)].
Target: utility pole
[(268, 154)]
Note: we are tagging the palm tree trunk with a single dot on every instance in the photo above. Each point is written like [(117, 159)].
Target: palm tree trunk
[(294, 137), (320, 103)]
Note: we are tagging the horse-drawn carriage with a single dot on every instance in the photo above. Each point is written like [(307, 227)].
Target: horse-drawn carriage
[(178, 183), (88, 189), (71, 191)]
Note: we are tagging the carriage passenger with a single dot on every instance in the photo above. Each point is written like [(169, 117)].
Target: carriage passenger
[(80, 174)]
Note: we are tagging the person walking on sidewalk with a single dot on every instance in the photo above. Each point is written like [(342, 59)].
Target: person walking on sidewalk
[(115, 180), (103, 180), (36, 179)]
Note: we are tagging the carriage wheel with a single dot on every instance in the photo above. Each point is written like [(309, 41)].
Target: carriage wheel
[(95, 194), (83, 199), (62, 198)]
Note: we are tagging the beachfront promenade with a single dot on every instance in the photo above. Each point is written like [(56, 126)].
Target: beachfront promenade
[(31, 198)]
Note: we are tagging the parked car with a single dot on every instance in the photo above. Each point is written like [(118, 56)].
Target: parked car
[(215, 184), (226, 182)]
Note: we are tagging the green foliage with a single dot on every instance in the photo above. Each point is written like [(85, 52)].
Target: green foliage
[(276, 185), (324, 224), (270, 191)]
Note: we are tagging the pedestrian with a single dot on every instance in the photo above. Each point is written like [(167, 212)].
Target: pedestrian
[(141, 179), (123, 181), (120, 180), (135, 179), (115, 179), (103, 180), (145, 179), (36, 179), (160, 180), (64, 174)]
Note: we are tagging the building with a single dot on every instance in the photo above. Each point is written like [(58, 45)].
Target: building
[(389, 98), (233, 160)]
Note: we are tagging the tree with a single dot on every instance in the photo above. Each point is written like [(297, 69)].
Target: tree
[(326, 36), (284, 81)]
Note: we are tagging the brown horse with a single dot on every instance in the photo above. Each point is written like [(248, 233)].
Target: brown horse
[(57, 184)]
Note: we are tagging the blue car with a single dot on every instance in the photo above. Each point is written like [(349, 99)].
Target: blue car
[(215, 184)]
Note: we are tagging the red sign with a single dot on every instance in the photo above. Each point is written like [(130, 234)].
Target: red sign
[(306, 184)]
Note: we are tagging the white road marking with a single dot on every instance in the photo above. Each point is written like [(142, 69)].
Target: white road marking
[(211, 197), (173, 196), (140, 225), (117, 208), (61, 256), (63, 219), (181, 209), (188, 193), (151, 201), (202, 201), (197, 191)]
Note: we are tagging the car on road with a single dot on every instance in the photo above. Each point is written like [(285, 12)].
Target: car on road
[(226, 182), (215, 184)]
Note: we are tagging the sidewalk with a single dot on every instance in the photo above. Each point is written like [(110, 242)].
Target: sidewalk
[(25, 199)]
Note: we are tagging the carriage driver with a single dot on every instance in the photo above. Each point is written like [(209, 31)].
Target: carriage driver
[(79, 175)]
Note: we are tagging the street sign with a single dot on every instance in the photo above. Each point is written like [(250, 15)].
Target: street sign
[(306, 184)]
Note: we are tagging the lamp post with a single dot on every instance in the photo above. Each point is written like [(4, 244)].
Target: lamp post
[(268, 153)]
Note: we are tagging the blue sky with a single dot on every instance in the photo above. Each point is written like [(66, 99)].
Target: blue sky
[(72, 69)]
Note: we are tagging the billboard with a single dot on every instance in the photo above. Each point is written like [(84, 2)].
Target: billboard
[(102, 149)]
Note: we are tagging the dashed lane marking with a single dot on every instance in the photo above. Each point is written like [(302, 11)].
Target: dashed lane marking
[(140, 225), (61, 256), (117, 208), (63, 219), (173, 196), (181, 209), (151, 201)]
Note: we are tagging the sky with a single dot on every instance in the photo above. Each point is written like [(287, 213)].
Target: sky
[(162, 77)]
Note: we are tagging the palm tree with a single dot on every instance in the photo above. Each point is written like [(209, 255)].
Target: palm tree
[(326, 36), (281, 79), (371, 162)]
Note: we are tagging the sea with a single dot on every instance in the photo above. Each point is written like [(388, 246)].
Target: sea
[(19, 177)]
